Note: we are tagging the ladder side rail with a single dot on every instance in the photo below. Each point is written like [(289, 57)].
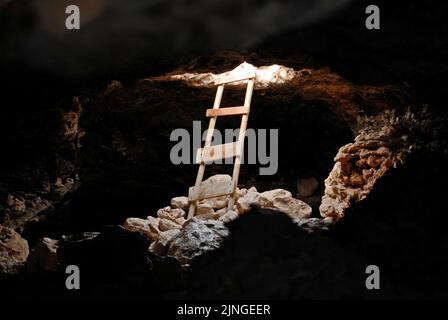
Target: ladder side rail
[(241, 138), (208, 139)]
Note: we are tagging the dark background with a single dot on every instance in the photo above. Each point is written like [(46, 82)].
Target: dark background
[(401, 226), (118, 39)]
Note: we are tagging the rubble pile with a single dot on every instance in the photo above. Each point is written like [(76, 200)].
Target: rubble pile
[(173, 235)]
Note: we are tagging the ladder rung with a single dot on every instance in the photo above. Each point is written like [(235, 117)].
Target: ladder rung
[(230, 111), (229, 77), (218, 152), (209, 189)]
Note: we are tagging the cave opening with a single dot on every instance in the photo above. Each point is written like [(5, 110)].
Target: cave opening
[(125, 165)]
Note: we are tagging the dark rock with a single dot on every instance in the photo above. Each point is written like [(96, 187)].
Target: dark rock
[(400, 228), (307, 187), (120, 258), (267, 256), (44, 256), (197, 237), (42, 174), (314, 224), (111, 252)]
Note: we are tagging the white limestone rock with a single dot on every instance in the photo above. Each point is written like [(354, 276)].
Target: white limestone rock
[(142, 225), (204, 208), (229, 216), (170, 214), (293, 208), (161, 246), (180, 203), (167, 224)]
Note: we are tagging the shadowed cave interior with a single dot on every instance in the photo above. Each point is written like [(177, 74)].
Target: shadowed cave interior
[(84, 151)]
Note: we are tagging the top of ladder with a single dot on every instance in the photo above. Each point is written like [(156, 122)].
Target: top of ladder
[(235, 75)]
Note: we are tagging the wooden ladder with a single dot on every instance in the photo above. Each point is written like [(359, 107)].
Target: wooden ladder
[(205, 190)]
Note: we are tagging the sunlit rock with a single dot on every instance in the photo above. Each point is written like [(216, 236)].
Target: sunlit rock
[(265, 76), (240, 192), (292, 207), (245, 203), (228, 217), (358, 165), (160, 247), (216, 203), (278, 199), (166, 224), (204, 208), (180, 202), (180, 221), (170, 213), (141, 225), (221, 212)]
